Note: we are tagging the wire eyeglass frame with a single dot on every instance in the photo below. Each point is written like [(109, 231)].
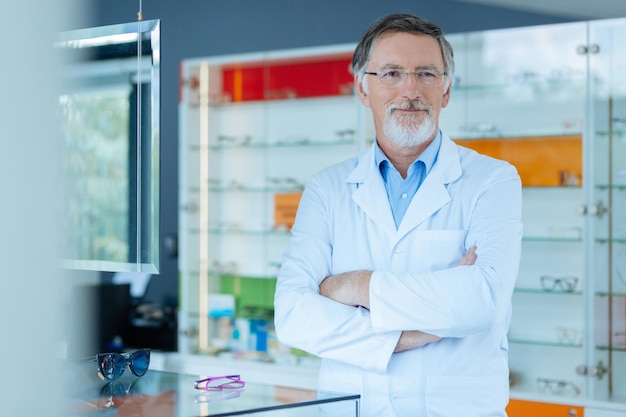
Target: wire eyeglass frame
[(395, 77)]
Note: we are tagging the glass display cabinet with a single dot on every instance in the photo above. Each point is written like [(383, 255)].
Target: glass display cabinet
[(549, 99), (253, 129)]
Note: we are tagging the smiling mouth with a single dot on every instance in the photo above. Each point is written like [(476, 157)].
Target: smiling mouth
[(410, 107), (410, 110)]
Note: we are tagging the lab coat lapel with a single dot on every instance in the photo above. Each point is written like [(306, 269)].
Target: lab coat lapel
[(433, 194), (370, 194)]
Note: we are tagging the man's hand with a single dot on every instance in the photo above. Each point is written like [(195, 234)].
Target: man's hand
[(349, 288), (469, 258), (411, 339)]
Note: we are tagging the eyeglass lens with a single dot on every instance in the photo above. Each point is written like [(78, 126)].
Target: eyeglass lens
[(112, 365), (395, 77)]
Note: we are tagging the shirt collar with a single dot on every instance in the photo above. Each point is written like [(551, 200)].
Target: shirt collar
[(428, 157)]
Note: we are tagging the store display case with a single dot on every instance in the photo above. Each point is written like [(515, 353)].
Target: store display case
[(261, 124), (549, 99)]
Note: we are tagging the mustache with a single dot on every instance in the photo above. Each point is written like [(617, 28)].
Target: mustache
[(410, 105)]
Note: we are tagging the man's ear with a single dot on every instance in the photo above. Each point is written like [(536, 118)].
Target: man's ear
[(446, 96), (361, 93)]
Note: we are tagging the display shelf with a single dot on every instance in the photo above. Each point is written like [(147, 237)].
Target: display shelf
[(612, 240), (301, 143), (610, 294), (548, 343), (242, 188), (619, 187), (532, 84), (553, 239), (548, 292)]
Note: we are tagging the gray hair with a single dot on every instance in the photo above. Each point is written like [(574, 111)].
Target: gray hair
[(400, 23)]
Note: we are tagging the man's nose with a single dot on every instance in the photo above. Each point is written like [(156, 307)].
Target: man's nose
[(411, 87)]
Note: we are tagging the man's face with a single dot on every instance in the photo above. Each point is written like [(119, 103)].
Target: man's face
[(406, 114)]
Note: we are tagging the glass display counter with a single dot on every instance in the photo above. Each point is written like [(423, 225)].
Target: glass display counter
[(171, 394)]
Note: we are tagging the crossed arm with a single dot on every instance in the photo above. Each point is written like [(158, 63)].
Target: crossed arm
[(352, 288)]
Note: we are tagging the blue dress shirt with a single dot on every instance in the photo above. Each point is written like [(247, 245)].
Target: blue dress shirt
[(400, 191)]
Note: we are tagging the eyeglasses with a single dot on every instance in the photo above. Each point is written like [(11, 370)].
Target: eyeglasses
[(112, 365), (565, 284), (557, 387), (395, 77), (219, 383)]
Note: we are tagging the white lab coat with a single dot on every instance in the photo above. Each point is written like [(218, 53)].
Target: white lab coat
[(344, 223)]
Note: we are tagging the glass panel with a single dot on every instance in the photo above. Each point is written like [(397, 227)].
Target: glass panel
[(606, 207), (519, 96), (109, 131), (517, 82)]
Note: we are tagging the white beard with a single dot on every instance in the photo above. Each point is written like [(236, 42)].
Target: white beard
[(410, 131)]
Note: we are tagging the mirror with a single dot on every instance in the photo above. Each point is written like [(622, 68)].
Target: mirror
[(109, 112)]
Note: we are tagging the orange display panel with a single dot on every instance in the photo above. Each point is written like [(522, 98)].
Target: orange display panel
[(285, 208), (541, 160), (523, 408)]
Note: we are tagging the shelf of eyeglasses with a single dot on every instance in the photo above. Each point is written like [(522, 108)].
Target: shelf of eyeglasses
[(618, 294), (565, 344), (615, 348), (272, 184), (547, 390), (548, 239), (570, 239), (544, 291), (248, 189), (615, 133), (217, 272), (522, 82), (548, 343), (295, 143), (604, 240), (237, 230), (531, 290), (618, 187)]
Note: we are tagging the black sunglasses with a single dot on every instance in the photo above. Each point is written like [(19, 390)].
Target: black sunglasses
[(112, 365)]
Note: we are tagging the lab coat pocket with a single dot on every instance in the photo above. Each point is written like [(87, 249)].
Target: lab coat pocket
[(467, 396), (440, 248)]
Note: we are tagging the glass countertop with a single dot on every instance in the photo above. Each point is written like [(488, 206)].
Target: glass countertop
[(168, 394)]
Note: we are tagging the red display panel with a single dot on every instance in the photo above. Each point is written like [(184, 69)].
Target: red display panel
[(288, 79)]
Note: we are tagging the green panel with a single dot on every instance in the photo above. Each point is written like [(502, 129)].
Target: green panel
[(254, 296)]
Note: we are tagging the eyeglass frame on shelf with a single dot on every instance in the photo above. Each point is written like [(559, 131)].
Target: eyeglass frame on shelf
[(557, 386), (563, 284), (394, 77)]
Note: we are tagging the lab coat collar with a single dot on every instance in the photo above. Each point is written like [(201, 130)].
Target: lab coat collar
[(371, 196)]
